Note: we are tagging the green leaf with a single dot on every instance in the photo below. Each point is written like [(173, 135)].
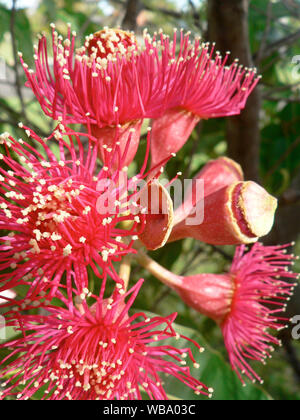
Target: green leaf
[(22, 30), (24, 36), (4, 21)]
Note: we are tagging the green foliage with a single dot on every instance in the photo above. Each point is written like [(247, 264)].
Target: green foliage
[(4, 21)]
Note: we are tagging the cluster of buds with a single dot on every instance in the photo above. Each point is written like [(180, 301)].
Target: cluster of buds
[(70, 214)]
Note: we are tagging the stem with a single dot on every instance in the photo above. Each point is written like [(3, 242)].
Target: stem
[(125, 270), (158, 271)]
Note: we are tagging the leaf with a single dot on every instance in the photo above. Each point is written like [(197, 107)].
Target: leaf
[(24, 36), (4, 21), (49, 9), (22, 29)]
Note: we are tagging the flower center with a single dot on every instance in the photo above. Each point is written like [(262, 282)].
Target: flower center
[(103, 368), (102, 378), (52, 205), (110, 44)]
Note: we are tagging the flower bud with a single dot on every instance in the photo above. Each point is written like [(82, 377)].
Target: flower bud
[(239, 213), (215, 175), (170, 132), (209, 294), (159, 216), (128, 135)]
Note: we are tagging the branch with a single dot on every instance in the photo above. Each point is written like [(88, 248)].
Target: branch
[(292, 356), (164, 11), (282, 158), (270, 64), (264, 13), (283, 42), (196, 15), (4, 121), (131, 14), (290, 196), (280, 88), (165, 293), (278, 99), (86, 23), (15, 117), (222, 252), (265, 34), (292, 8), (193, 258), (228, 25)]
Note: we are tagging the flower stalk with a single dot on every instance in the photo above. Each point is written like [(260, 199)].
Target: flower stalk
[(159, 272), (125, 270)]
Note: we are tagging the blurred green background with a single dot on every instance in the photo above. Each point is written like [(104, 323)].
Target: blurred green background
[(265, 140)]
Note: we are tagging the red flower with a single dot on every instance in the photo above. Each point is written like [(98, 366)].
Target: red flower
[(204, 86), (106, 84), (96, 352), (245, 302), (260, 295), (104, 88), (113, 81), (55, 212)]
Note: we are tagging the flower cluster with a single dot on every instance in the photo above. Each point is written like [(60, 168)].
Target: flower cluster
[(70, 215), (96, 352)]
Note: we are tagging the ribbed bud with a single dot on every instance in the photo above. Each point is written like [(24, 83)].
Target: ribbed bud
[(216, 174), (128, 135), (170, 132), (159, 215), (209, 294), (237, 214)]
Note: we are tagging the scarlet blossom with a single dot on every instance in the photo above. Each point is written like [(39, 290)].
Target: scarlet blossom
[(112, 81), (204, 85), (91, 85), (246, 303), (54, 215), (95, 352), (107, 84)]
